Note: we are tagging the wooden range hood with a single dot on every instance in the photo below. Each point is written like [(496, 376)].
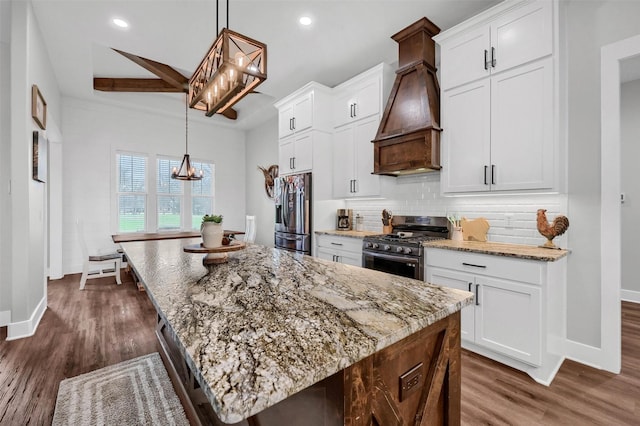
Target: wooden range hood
[(408, 139)]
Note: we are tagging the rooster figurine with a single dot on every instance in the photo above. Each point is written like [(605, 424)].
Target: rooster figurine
[(558, 227)]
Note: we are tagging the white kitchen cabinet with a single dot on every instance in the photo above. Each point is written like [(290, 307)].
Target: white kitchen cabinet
[(296, 153), (518, 315), (509, 35), (301, 117), (353, 160), (340, 249), (358, 105), (499, 132), (498, 123), (296, 116)]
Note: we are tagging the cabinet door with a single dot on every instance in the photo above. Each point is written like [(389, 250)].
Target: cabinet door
[(349, 258), (463, 58), (303, 113), (461, 281), (466, 138), (286, 153), (343, 162), (522, 153), (325, 254), (285, 124), (367, 100), (523, 35), (343, 106), (508, 318), (366, 184), (303, 153)]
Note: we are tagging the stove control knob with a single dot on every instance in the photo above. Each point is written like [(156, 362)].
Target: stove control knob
[(386, 247), (399, 249), (408, 250), (375, 245), (368, 245)]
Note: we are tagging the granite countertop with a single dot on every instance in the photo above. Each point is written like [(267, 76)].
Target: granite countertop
[(501, 249), (270, 323), (351, 234)]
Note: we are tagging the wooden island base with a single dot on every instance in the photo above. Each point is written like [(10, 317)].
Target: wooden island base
[(415, 381)]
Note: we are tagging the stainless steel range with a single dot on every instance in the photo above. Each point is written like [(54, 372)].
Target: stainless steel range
[(401, 252)]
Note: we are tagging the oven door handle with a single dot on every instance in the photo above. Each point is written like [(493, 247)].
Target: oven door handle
[(394, 258)]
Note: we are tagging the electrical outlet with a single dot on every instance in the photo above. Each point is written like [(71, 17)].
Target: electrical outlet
[(508, 220)]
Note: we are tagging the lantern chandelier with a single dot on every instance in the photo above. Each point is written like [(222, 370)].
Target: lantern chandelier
[(231, 69), (186, 170)]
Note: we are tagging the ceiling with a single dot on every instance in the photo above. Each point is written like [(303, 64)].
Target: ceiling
[(345, 38)]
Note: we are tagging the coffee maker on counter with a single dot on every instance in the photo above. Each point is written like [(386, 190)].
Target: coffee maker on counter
[(344, 220)]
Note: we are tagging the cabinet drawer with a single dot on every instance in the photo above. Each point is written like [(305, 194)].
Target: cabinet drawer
[(340, 243), (527, 271)]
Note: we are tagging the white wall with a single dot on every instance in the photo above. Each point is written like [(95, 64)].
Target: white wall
[(262, 150), (630, 153), (29, 64), (5, 163), (92, 134), (589, 26)]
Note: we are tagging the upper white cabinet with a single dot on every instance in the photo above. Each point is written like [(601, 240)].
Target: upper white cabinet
[(518, 33), (358, 105), (497, 114), (300, 114)]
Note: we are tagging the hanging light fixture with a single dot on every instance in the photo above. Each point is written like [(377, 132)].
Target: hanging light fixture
[(231, 69), (186, 170)]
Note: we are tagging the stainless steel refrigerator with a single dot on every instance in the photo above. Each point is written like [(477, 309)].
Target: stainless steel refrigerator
[(293, 212)]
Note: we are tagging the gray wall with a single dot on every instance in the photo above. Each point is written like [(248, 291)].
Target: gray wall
[(5, 155), (630, 154), (261, 150), (589, 26)]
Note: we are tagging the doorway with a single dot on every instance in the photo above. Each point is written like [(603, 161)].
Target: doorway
[(612, 57)]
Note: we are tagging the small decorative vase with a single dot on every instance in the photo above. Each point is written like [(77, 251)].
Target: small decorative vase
[(457, 234), (212, 234)]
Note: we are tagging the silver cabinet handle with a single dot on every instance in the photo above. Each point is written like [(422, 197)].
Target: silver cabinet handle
[(473, 265), (470, 284), (477, 301), (493, 57), (485, 175), (336, 244), (493, 174), (486, 59)]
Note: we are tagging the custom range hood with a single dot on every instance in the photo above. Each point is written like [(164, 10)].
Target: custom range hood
[(408, 139)]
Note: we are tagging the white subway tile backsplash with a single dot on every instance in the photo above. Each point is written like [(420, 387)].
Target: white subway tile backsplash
[(420, 195)]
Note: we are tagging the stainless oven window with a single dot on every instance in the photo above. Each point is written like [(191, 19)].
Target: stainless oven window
[(410, 267)]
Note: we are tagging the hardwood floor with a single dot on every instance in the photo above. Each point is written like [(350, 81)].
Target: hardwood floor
[(85, 330), (80, 331)]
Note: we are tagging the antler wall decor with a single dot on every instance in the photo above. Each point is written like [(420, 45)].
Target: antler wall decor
[(270, 176)]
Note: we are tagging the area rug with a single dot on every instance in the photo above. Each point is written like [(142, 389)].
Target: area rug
[(134, 392)]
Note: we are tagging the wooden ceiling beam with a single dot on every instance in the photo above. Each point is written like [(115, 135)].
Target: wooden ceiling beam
[(161, 70), (134, 85)]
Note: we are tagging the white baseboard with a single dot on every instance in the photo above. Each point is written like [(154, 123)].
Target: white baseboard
[(18, 330), (5, 318), (630, 296), (584, 354)]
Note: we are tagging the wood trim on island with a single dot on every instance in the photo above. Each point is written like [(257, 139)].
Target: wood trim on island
[(415, 381)]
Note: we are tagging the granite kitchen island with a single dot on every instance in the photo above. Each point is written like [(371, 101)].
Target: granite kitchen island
[(277, 338)]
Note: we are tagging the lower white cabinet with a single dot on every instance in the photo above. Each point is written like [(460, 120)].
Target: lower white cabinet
[(518, 314), (346, 250)]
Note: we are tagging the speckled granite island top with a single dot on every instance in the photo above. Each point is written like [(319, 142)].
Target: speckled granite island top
[(270, 323), (501, 249)]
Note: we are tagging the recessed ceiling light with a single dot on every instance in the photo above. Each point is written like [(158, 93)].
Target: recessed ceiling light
[(305, 20), (120, 23)]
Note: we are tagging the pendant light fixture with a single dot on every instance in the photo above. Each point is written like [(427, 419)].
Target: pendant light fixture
[(186, 170), (231, 69)]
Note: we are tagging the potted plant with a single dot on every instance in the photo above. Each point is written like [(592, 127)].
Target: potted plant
[(211, 230)]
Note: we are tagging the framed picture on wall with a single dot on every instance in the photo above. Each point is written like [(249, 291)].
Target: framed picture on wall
[(40, 146), (38, 107)]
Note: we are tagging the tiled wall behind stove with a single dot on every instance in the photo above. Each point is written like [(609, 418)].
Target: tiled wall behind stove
[(419, 195)]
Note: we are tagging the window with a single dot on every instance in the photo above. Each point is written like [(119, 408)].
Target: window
[(169, 196), (131, 192), (202, 194)]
